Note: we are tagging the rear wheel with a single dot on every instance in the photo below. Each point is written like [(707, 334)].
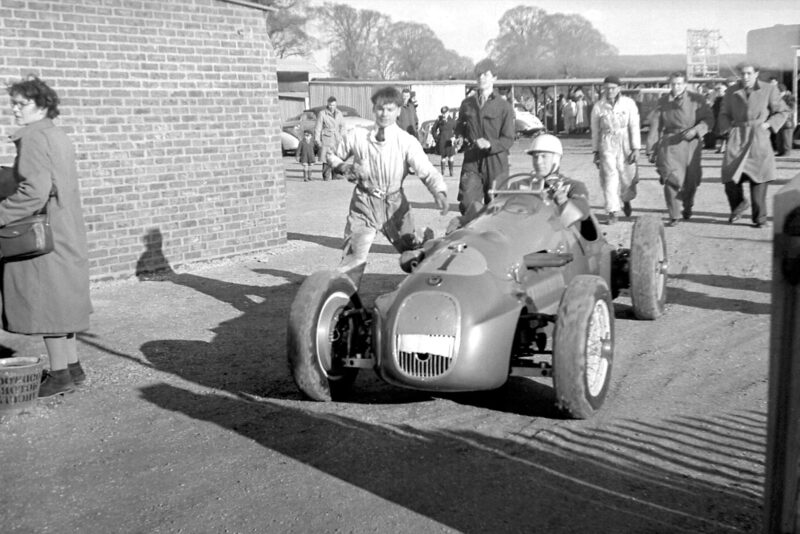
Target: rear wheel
[(648, 268), (322, 323), (583, 346)]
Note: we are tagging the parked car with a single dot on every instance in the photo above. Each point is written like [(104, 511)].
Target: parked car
[(289, 143), (525, 122), (308, 119), (522, 290)]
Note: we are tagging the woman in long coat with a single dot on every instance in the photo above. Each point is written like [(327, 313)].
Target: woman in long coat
[(443, 131), (750, 109), (47, 295)]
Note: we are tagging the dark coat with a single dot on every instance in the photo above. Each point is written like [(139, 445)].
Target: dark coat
[(749, 150), (408, 119), (443, 131), (678, 160), (48, 294)]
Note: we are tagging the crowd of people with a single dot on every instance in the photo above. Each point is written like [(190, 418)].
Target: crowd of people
[(747, 119)]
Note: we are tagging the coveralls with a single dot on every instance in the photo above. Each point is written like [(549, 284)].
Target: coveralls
[(677, 160), (327, 133), (749, 150), (615, 134), (494, 121), (382, 205)]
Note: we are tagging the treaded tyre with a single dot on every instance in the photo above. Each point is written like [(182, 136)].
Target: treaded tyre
[(318, 335), (583, 346), (648, 268)]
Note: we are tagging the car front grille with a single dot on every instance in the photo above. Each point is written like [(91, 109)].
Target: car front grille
[(426, 334)]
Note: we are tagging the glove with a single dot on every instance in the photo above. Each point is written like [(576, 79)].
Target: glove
[(441, 203), (651, 157), (560, 196)]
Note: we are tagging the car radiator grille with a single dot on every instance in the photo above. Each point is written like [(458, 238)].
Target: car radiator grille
[(433, 358), (426, 335)]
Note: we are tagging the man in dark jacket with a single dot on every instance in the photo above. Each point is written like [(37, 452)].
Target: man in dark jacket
[(408, 120), (486, 128)]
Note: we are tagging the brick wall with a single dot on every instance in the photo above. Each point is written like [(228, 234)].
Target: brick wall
[(173, 109)]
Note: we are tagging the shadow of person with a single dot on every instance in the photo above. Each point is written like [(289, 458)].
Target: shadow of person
[(152, 263)]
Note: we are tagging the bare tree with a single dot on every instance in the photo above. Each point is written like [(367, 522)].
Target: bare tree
[(532, 43), (287, 28), (352, 35)]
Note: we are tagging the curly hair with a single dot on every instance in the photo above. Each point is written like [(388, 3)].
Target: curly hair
[(387, 95), (39, 92)]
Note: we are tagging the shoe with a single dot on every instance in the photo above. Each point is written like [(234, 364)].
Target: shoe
[(686, 213), (764, 224), (612, 219), (627, 209), (56, 383), (736, 214), (76, 373), (672, 222)]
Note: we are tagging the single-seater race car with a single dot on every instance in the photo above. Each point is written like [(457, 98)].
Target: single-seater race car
[(522, 289)]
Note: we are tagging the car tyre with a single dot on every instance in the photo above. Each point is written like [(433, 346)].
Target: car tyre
[(317, 337), (648, 268), (583, 346)]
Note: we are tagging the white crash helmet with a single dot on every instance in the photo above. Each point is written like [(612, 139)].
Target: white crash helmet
[(548, 143)]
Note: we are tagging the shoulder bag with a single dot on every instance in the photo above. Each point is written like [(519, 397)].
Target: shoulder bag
[(28, 237)]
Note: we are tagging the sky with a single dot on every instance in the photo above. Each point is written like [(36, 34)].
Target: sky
[(632, 26)]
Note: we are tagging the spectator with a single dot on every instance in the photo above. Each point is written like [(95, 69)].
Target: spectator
[(677, 126), (408, 120), (305, 154), (443, 131), (569, 112), (381, 157), (486, 126), (581, 112), (47, 295), (616, 142), (327, 133), (783, 145), (750, 110)]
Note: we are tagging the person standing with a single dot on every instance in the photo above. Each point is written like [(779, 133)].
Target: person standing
[(443, 132), (675, 143), (382, 157), (408, 120), (486, 130), (327, 133), (305, 154), (616, 142), (784, 141), (47, 295), (751, 109)]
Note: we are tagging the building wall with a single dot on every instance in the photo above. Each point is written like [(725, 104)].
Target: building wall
[(172, 107)]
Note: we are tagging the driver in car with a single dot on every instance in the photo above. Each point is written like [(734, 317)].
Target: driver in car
[(571, 196)]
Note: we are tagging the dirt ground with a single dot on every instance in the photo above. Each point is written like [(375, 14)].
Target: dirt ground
[(190, 422)]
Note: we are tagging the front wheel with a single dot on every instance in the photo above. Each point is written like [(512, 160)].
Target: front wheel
[(648, 268), (583, 346), (323, 320)]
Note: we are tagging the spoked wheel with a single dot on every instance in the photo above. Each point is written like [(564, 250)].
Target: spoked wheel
[(583, 346), (648, 268), (325, 321)]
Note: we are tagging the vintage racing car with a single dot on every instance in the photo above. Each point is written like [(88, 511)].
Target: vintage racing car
[(519, 290)]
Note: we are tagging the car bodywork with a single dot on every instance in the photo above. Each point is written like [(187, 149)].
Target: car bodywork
[(307, 120), (523, 289)]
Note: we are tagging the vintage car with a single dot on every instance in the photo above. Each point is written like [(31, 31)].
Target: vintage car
[(523, 289)]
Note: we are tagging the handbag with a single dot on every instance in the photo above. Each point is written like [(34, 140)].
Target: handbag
[(28, 237)]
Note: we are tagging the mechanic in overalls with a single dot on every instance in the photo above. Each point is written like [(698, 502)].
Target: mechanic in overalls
[(381, 158), (616, 141), (571, 196)]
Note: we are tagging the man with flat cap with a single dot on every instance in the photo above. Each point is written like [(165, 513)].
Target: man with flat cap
[(616, 142)]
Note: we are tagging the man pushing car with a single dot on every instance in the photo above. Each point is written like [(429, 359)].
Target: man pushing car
[(381, 159)]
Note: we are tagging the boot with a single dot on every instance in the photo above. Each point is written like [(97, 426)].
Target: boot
[(449, 166), (56, 383), (442, 166), (76, 373)]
